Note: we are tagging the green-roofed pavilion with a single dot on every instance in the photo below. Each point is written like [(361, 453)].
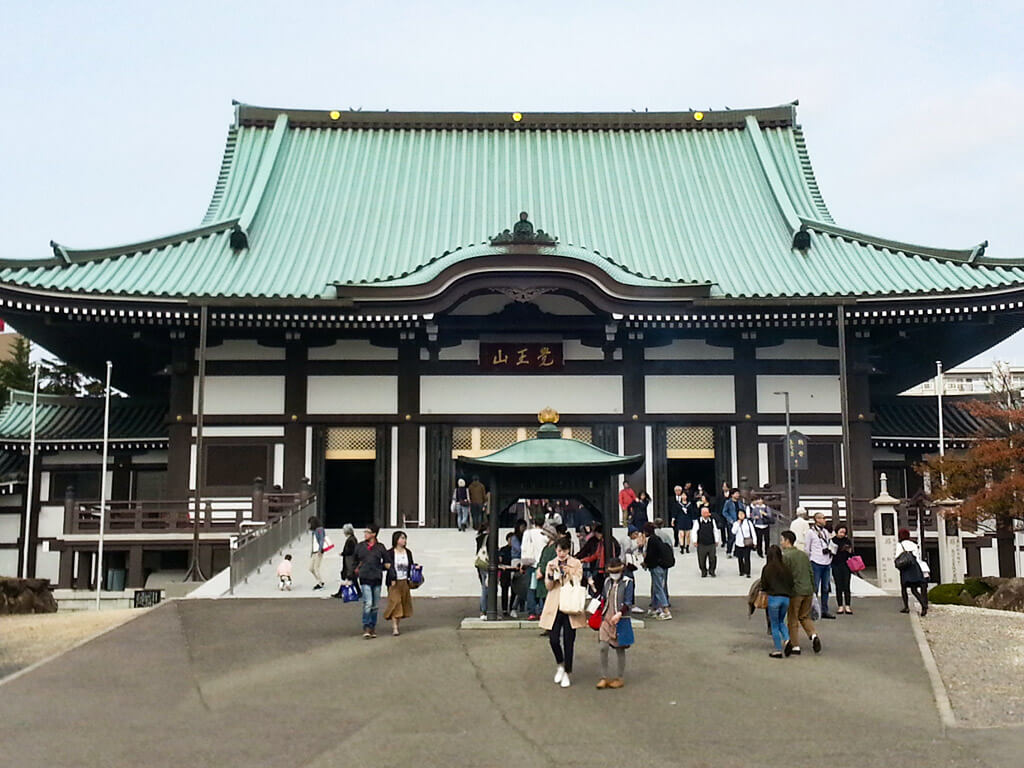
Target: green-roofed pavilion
[(547, 466)]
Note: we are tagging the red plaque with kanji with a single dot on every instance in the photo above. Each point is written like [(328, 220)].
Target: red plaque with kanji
[(527, 357)]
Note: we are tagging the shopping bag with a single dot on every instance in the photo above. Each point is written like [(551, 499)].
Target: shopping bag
[(855, 563), (596, 617), (415, 575), (350, 593), (624, 633), (572, 597)]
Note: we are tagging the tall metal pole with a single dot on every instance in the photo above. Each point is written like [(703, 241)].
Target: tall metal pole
[(195, 571), (786, 458), (103, 488), (844, 403), (30, 490)]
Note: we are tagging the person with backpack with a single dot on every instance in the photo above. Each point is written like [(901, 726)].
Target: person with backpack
[(658, 558), (616, 630), (762, 518), (913, 570)]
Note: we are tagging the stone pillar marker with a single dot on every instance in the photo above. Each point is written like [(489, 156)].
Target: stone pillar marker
[(952, 558), (885, 538)]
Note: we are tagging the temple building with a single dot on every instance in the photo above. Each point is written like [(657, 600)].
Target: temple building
[(372, 295)]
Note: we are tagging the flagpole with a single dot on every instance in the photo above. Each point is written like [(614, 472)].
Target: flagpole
[(939, 384), (103, 487), (31, 471)]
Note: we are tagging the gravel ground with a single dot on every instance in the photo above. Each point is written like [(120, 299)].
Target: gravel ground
[(26, 639), (980, 655)]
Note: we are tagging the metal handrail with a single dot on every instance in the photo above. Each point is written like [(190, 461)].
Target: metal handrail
[(249, 550)]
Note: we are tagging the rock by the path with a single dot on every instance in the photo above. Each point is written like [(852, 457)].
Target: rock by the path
[(26, 596)]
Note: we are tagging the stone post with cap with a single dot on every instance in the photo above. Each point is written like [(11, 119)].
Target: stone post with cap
[(885, 538)]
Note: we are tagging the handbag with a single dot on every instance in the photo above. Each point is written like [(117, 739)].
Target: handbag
[(855, 563), (415, 575), (594, 622), (572, 597), (761, 601), (349, 593), (905, 560), (624, 633), (482, 560)]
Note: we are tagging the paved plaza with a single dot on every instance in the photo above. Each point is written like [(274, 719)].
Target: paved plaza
[(292, 683)]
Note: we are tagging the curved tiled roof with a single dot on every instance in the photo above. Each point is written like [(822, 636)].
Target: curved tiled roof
[(63, 420), (368, 198), (917, 418)]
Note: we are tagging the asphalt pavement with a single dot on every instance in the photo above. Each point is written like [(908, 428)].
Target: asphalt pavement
[(293, 683)]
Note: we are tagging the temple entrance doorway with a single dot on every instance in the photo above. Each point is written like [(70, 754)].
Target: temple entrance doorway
[(350, 477), (694, 471), (348, 492)]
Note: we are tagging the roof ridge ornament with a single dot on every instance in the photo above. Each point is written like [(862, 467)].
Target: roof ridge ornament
[(548, 415), (523, 232)]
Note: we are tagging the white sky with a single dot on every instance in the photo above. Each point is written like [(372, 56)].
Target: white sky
[(115, 113)]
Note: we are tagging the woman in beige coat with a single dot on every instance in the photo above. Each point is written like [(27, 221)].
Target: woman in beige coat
[(561, 626)]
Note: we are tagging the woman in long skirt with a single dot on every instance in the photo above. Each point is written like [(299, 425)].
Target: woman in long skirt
[(398, 561)]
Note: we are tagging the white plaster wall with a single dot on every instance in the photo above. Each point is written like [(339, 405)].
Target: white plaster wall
[(762, 465), (352, 394), (257, 431), (989, 561), (242, 349), (10, 527), (150, 457), (690, 394), (574, 350), (12, 500), (47, 564), (467, 350), (798, 349), (520, 394), (352, 349), (807, 394), (279, 464), (688, 349), (9, 562), (44, 486), (72, 457), (51, 522), (819, 430), (238, 395)]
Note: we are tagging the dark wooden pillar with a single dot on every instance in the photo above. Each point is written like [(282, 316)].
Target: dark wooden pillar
[(136, 576), (83, 579), (33, 532), (408, 468), (179, 449), (295, 415), (745, 381), (66, 579), (859, 464), (121, 482), (634, 407)]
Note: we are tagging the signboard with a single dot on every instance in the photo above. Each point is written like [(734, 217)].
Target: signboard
[(796, 451), (146, 598), (528, 357)]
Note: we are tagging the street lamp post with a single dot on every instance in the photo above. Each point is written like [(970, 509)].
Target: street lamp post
[(785, 458)]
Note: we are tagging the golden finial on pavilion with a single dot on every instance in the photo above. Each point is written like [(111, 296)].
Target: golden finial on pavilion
[(548, 416)]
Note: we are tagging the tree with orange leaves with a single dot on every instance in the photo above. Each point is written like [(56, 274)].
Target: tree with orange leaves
[(988, 476)]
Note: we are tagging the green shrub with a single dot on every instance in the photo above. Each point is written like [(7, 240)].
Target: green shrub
[(976, 587), (946, 594)]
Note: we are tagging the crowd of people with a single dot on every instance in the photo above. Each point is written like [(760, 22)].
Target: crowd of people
[(547, 570)]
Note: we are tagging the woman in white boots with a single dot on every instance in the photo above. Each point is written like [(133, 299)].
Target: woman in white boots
[(561, 626)]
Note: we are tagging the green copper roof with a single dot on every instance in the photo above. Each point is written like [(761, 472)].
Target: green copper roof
[(550, 449), (322, 202), (62, 420)]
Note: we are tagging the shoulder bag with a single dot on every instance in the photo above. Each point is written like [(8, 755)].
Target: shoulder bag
[(624, 633), (482, 560), (572, 597), (905, 560), (761, 601)]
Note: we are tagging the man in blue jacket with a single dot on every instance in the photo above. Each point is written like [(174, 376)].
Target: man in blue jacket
[(730, 512)]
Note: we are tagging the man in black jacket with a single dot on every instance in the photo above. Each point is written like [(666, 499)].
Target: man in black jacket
[(658, 558), (370, 572), (707, 536)]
